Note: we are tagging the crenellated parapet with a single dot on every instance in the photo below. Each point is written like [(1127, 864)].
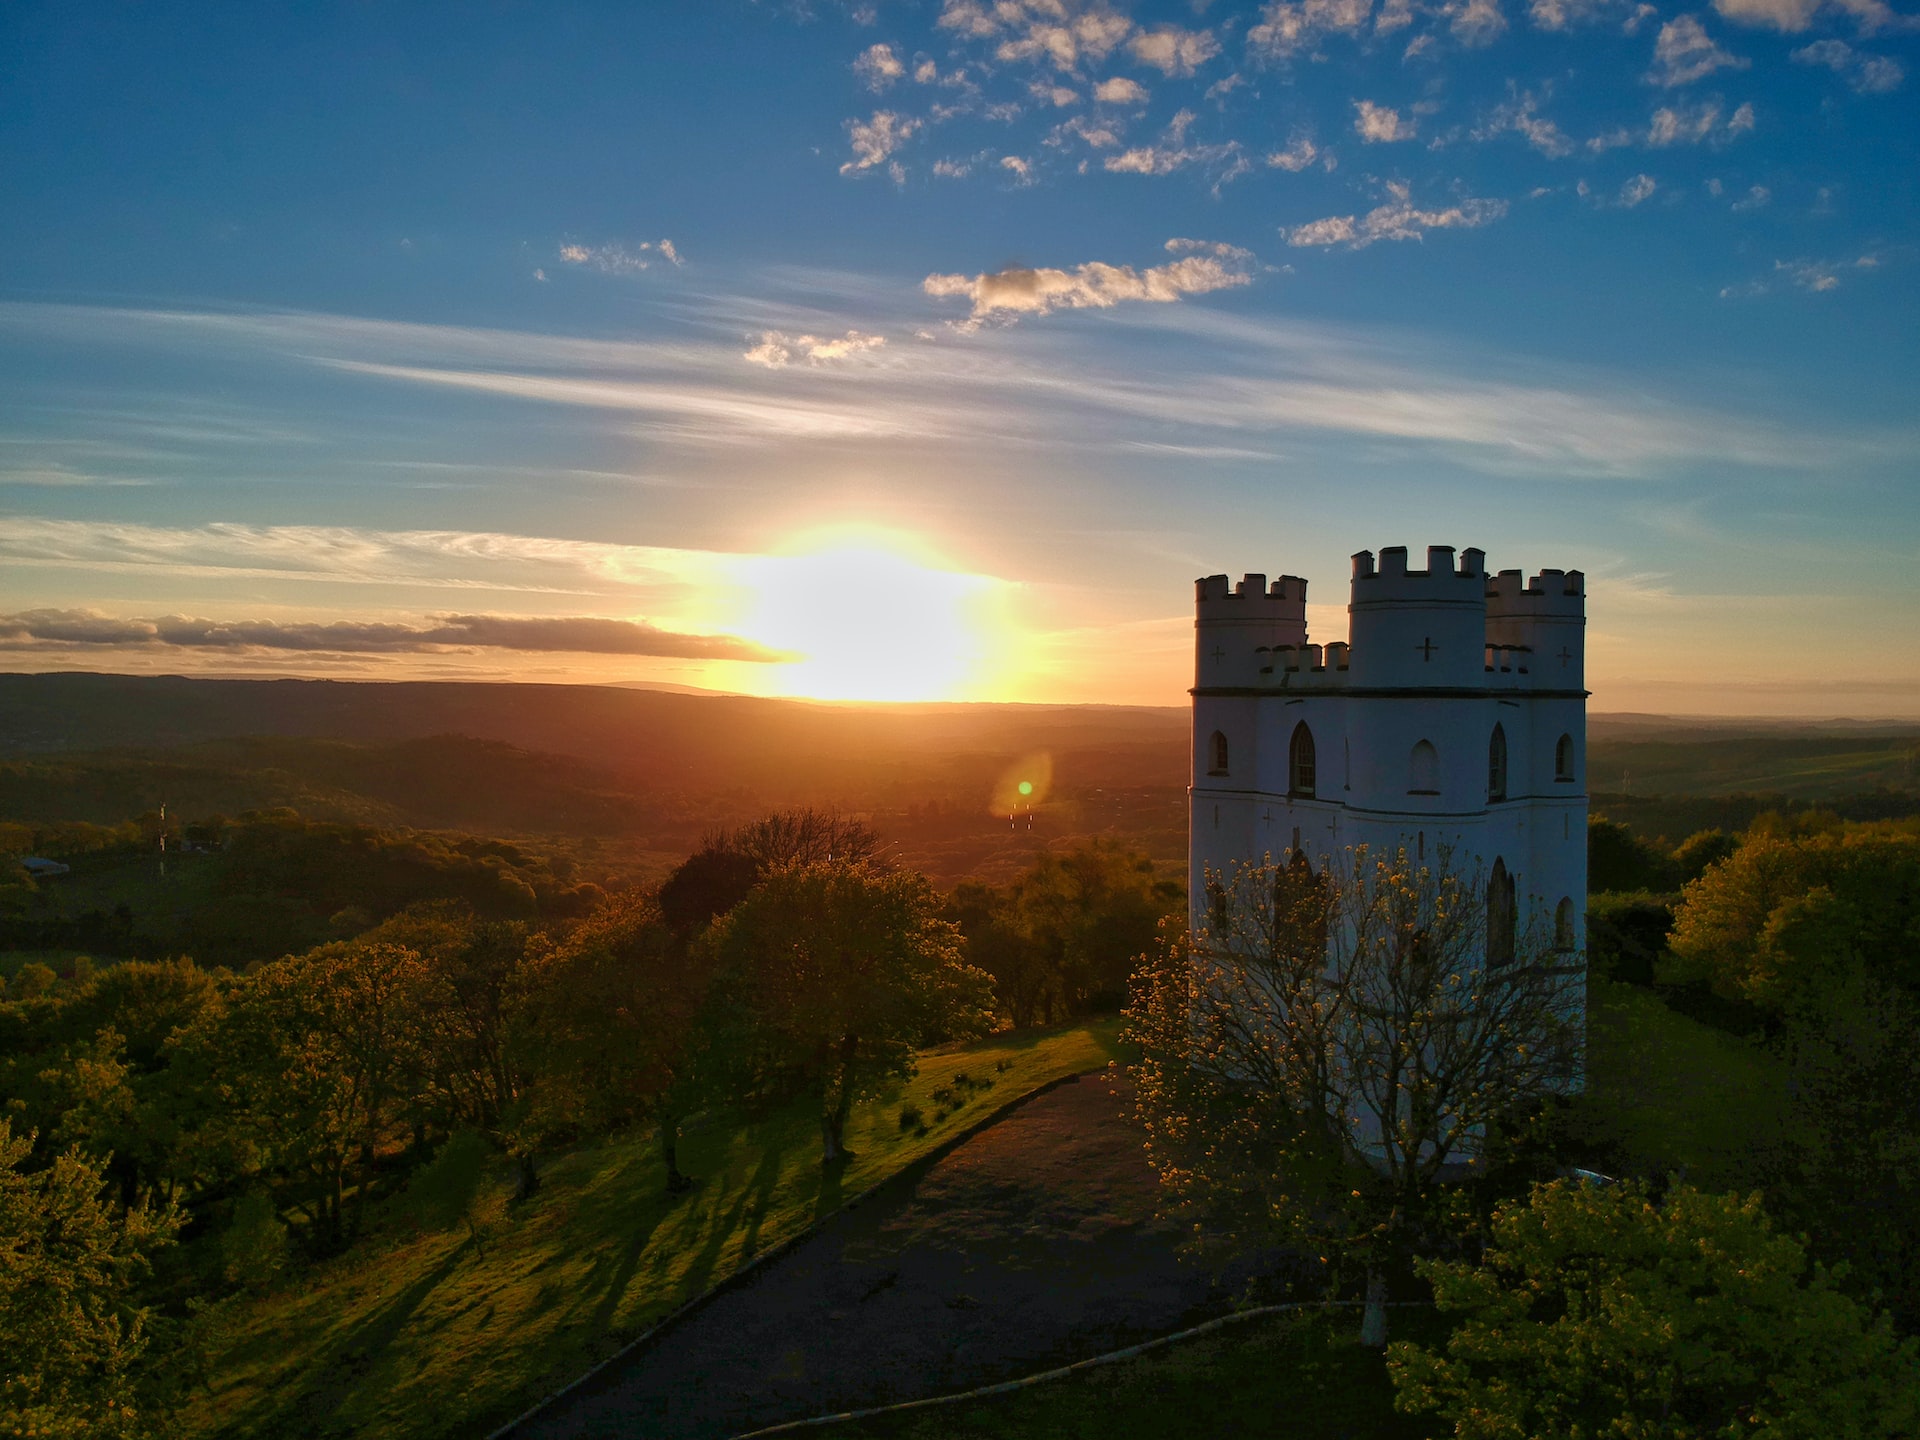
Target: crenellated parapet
[(1236, 622), (1547, 616), (1447, 627), (1418, 629)]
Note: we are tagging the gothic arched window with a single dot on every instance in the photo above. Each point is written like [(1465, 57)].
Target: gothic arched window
[(1563, 924), (1217, 754), (1300, 768), (1563, 758), (1423, 770), (1497, 764), (1499, 915)]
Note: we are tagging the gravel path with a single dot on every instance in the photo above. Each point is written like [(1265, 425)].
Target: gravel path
[(1030, 1245)]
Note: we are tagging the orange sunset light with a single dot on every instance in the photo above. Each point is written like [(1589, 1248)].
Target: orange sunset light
[(870, 615)]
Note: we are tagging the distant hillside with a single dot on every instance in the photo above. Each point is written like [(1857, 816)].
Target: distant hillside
[(653, 771), (785, 750)]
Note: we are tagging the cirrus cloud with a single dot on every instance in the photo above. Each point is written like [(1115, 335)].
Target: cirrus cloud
[(775, 348), (1398, 219), (1684, 52), (1203, 266), (574, 634)]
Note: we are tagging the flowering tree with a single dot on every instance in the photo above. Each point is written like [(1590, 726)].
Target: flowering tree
[(1331, 1046)]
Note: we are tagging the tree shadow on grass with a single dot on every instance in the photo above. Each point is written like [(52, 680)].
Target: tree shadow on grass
[(623, 1268), (746, 1213), (339, 1373)]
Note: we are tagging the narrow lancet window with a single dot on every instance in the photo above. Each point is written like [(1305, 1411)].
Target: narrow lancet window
[(1499, 915), (1300, 767), (1423, 770), (1497, 764), (1563, 758), (1217, 754), (1563, 924)]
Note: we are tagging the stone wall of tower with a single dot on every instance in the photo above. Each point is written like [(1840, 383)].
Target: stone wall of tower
[(1402, 717)]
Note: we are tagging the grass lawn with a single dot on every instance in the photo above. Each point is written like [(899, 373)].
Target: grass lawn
[(1304, 1376), (429, 1335), (1666, 1092)]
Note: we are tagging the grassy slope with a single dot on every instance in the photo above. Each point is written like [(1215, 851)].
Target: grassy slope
[(1668, 1092), (1304, 1377), (433, 1335)]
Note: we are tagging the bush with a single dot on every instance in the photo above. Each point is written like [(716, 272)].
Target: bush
[(447, 1191), (910, 1117), (253, 1248), (1627, 934)]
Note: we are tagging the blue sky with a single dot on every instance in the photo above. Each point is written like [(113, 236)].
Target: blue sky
[(762, 346)]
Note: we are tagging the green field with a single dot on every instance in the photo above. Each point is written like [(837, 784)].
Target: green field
[(1666, 1092), (429, 1335), (1305, 1377), (1797, 767)]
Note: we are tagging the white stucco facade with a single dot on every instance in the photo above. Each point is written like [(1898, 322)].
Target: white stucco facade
[(1403, 716)]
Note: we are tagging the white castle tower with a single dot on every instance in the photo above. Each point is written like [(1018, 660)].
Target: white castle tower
[(1452, 717)]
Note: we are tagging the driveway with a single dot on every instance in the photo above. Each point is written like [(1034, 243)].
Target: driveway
[(1030, 1245)]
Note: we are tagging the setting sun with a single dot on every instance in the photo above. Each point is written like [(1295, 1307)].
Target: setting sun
[(866, 620)]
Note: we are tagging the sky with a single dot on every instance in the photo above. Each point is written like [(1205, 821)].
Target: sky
[(896, 350)]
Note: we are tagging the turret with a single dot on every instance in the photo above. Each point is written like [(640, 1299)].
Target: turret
[(1419, 629), (1545, 618), (1232, 622)]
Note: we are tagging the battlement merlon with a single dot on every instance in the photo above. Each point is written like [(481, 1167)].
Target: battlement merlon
[(1267, 615), (1220, 598), (1442, 580), (1558, 594)]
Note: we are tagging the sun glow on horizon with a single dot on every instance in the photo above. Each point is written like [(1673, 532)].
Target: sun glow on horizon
[(868, 617)]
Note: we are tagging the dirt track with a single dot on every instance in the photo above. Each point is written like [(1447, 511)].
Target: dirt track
[(1031, 1244)]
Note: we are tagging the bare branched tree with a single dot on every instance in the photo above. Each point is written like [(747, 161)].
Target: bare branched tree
[(1332, 1046)]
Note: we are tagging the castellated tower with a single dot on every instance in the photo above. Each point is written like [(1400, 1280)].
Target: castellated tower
[(1453, 716)]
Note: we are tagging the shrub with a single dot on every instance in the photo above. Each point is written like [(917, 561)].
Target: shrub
[(910, 1117)]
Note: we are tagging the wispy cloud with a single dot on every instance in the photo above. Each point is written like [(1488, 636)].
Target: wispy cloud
[(1866, 74), (1174, 52), (1816, 276), (1203, 267), (619, 259), (1044, 30), (875, 139), (1287, 27), (1792, 16), (1635, 190), (1119, 90), (1683, 52), (1521, 116), (774, 348), (1398, 219), (1380, 124), (1216, 379), (570, 634), (1299, 154), (878, 67)]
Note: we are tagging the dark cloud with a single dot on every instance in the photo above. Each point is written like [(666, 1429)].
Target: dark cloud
[(580, 634)]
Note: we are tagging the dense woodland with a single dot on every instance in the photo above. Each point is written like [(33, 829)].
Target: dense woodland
[(285, 1033)]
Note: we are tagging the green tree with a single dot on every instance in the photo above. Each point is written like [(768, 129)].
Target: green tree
[(1062, 939), (451, 1189), (74, 1335), (844, 970), (1329, 1048), (1819, 933), (1617, 859), (313, 1063), (616, 1026), (1597, 1312)]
